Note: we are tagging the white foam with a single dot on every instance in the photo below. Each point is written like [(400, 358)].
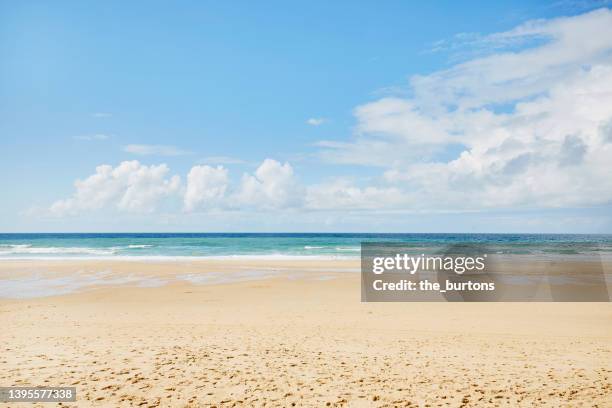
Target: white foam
[(350, 249), (177, 258), (15, 246), (28, 249)]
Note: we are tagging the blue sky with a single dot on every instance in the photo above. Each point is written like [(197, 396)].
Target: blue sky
[(337, 96)]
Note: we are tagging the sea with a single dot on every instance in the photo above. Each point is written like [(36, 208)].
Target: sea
[(172, 246)]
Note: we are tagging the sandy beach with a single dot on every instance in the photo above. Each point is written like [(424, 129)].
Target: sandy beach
[(306, 204), (289, 333)]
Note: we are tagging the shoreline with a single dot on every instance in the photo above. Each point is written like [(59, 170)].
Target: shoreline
[(30, 279), (183, 258), (505, 257)]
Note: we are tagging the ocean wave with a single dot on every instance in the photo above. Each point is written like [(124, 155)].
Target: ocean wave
[(349, 249), (313, 247), (128, 247), (169, 258), (15, 246)]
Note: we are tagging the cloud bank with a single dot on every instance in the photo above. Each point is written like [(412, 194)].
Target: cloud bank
[(510, 129)]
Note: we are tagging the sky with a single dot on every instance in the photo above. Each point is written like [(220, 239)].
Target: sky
[(306, 116)]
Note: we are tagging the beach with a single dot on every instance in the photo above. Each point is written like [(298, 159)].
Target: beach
[(306, 204), (201, 333)]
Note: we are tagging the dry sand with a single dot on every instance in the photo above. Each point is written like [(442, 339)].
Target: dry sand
[(281, 337)]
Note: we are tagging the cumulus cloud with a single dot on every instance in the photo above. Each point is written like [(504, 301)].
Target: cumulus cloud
[(130, 186), (272, 186), (526, 127), (206, 187), (154, 150), (134, 187)]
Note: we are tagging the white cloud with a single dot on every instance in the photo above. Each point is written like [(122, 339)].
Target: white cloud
[(569, 44), (316, 121), (343, 195), (515, 128), (155, 150), (206, 187), (272, 186), (130, 186), (138, 188), (97, 136)]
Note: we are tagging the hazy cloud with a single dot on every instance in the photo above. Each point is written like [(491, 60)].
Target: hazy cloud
[(222, 160), (98, 136), (316, 121), (155, 150), (101, 115)]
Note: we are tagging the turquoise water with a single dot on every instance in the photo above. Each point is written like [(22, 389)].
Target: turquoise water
[(164, 245)]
